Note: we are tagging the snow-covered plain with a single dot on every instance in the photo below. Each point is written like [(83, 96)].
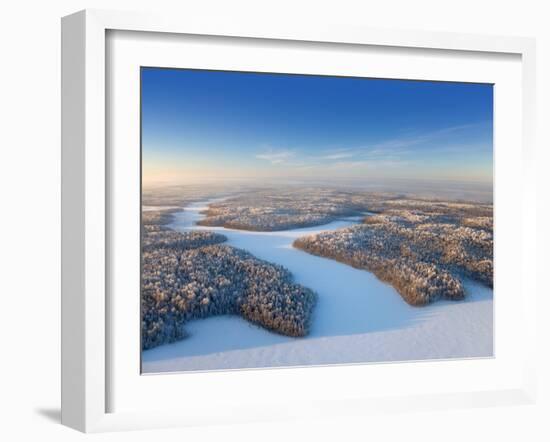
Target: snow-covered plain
[(357, 317)]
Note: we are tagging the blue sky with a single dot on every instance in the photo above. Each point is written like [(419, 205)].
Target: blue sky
[(207, 125)]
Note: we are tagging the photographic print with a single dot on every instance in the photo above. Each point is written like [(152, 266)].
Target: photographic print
[(302, 220)]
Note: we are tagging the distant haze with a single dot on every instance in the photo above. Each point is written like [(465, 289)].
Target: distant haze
[(231, 127)]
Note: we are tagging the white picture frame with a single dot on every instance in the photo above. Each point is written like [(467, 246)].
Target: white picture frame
[(86, 356)]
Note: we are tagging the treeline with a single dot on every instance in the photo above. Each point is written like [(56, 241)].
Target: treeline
[(423, 256), (158, 237), (289, 208), (282, 209), (190, 275), (265, 222)]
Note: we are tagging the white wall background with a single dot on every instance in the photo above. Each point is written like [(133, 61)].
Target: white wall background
[(30, 220)]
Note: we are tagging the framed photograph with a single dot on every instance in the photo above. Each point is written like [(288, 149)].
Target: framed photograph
[(274, 222), (297, 220)]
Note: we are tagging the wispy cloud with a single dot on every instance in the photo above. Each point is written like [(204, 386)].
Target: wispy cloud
[(401, 144), (370, 164), (276, 157), (336, 155), (351, 164), (399, 151)]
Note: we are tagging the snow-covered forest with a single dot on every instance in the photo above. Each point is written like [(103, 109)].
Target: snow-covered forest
[(192, 275), (423, 248), (283, 208)]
